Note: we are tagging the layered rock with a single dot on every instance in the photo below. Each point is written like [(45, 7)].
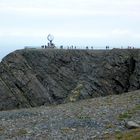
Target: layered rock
[(35, 77)]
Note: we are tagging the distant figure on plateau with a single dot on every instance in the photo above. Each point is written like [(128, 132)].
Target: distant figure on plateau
[(107, 47), (61, 47), (42, 46)]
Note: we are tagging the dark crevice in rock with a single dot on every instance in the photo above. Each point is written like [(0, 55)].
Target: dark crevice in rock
[(132, 65), (118, 83), (57, 99), (23, 95), (19, 87), (131, 69)]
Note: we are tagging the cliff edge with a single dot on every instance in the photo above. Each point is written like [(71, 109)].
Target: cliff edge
[(35, 77)]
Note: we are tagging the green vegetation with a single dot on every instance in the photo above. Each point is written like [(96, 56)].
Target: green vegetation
[(126, 115), (22, 132), (137, 107), (1, 129), (83, 117), (76, 93), (129, 113), (129, 135), (108, 126)]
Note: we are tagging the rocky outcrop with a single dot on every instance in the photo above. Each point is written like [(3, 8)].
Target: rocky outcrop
[(34, 77), (132, 125)]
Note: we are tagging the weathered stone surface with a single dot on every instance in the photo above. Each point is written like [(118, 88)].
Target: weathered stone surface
[(34, 77), (132, 125)]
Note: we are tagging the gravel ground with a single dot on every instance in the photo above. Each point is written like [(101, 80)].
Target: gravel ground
[(83, 120)]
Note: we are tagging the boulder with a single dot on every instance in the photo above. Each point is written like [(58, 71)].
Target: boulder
[(132, 125)]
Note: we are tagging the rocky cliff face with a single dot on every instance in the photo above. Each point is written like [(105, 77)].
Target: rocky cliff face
[(30, 78)]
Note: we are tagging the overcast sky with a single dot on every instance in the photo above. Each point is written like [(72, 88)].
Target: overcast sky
[(72, 22)]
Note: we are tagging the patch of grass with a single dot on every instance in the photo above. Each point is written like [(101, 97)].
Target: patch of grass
[(137, 107), (125, 115), (129, 135), (1, 129), (83, 117), (108, 126), (132, 135), (129, 113), (22, 132), (118, 136)]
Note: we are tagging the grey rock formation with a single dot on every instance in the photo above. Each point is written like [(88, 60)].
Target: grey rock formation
[(132, 125), (35, 77)]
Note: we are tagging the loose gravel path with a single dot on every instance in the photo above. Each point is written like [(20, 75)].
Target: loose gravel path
[(84, 120)]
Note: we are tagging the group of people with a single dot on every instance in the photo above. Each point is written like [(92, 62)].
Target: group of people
[(74, 47)]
